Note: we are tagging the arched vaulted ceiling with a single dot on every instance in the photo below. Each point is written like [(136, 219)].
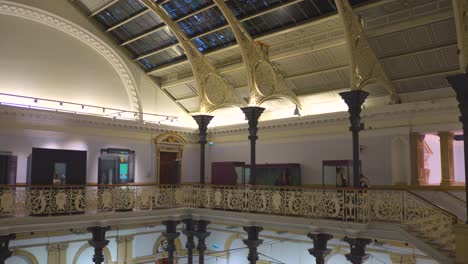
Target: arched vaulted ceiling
[(414, 40)]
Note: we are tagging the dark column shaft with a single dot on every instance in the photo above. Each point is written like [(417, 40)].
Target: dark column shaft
[(5, 252), (98, 242), (170, 235), (252, 242), (202, 234), (202, 121), (460, 85), (354, 99), (189, 232), (253, 113), (320, 250)]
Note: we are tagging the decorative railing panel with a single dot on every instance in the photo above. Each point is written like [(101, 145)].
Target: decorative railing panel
[(347, 205)]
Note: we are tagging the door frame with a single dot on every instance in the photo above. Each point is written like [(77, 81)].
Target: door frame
[(169, 142)]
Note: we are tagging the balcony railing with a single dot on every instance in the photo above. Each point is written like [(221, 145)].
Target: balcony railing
[(339, 204)]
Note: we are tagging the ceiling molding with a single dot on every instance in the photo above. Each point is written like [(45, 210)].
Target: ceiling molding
[(76, 31)]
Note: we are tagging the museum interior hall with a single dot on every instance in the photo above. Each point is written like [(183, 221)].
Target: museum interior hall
[(233, 131)]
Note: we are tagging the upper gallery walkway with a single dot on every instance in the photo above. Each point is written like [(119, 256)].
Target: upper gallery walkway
[(379, 213)]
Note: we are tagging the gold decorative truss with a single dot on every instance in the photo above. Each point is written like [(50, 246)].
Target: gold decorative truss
[(214, 90), (365, 66), (264, 79), (418, 216)]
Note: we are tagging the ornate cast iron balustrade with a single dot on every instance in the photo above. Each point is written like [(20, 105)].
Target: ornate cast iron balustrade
[(420, 217)]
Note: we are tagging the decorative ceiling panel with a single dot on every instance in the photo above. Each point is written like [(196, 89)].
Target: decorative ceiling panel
[(191, 104), (181, 91)]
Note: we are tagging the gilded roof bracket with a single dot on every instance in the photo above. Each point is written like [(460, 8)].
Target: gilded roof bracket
[(214, 90), (264, 79), (365, 66)]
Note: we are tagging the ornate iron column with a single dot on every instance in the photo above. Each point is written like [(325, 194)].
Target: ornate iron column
[(252, 242), (202, 121), (354, 99), (320, 250), (460, 85), (5, 252), (358, 249), (189, 232), (201, 234), (252, 113), (171, 234), (98, 242)]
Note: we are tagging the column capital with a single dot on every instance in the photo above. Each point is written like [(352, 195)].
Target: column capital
[(98, 242), (358, 249)]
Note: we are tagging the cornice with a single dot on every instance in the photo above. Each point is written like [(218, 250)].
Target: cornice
[(50, 118), (419, 116), (74, 30), (382, 113)]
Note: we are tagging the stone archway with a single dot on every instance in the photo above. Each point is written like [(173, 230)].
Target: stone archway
[(25, 254), (105, 251), (159, 253)]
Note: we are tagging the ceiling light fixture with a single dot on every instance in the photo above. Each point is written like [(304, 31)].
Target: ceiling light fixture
[(296, 111), (61, 103), (35, 100)]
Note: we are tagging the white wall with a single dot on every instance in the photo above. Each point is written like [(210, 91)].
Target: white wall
[(41, 61), (435, 176), (376, 154), (21, 143)]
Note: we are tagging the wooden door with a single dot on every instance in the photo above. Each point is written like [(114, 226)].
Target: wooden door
[(168, 168)]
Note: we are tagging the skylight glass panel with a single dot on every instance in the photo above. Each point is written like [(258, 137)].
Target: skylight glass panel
[(162, 38), (203, 22), (140, 25), (288, 16), (119, 11), (218, 39), (160, 59), (181, 8), (242, 8)]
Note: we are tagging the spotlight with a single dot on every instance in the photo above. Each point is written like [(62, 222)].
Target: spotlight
[(135, 114), (172, 120), (159, 122), (167, 118), (119, 114), (82, 106), (35, 100), (61, 103), (103, 110)]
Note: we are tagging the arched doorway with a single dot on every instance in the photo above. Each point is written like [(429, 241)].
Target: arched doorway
[(169, 148)]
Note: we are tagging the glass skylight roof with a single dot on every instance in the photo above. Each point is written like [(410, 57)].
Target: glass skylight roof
[(206, 28), (203, 22)]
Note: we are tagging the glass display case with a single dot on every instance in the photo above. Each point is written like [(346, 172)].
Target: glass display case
[(116, 166), (282, 174), (337, 173)]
